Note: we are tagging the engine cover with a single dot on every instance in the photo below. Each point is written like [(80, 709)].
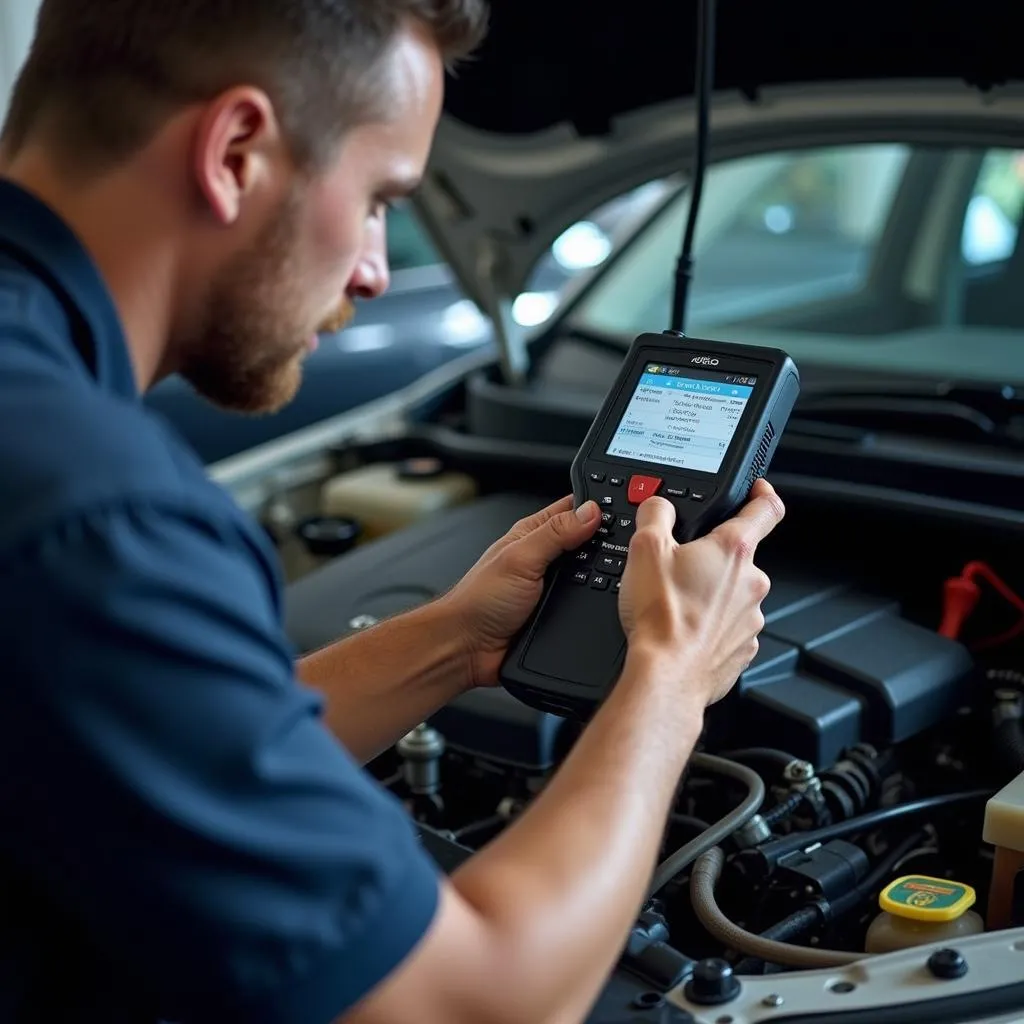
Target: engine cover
[(838, 667)]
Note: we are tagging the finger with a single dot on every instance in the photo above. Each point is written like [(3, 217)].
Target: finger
[(656, 514), (564, 531), (535, 521), (761, 514)]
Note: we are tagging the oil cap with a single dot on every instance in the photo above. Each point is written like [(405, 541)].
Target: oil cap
[(922, 898)]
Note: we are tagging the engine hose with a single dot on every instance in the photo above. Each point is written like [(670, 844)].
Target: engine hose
[(720, 830), (780, 813), (703, 880), (815, 914), (792, 927), (768, 757), (776, 848)]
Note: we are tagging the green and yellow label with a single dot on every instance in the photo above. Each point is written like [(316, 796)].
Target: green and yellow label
[(926, 899)]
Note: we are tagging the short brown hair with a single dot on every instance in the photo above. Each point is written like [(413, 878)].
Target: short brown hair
[(104, 73)]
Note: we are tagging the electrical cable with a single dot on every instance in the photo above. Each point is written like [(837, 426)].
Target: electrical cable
[(781, 812), (810, 916), (961, 596), (720, 830), (776, 848), (703, 89), (703, 880)]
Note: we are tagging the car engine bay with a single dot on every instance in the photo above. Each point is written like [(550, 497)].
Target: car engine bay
[(862, 746)]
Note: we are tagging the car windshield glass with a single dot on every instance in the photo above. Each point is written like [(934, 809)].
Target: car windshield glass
[(872, 257)]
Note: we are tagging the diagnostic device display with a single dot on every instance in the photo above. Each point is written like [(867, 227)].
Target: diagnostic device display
[(696, 422)]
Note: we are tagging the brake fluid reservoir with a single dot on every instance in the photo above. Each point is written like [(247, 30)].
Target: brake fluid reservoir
[(389, 496), (917, 910)]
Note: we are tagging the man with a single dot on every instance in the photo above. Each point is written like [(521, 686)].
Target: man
[(196, 186)]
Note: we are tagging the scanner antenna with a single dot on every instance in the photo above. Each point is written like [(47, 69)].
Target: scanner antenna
[(703, 90)]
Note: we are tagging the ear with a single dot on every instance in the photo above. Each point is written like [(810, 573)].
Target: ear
[(234, 146)]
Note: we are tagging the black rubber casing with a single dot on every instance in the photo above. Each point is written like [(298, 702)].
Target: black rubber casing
[(570, 653)]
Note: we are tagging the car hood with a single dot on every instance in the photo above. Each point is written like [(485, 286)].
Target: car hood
[(568, 104)]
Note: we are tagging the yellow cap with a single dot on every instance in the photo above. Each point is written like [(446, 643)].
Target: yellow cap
[(921, 898)]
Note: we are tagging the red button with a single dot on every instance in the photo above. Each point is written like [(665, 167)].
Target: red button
[(643, 487)]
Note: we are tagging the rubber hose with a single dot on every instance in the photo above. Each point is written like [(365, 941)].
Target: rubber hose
[(722, 829), (806, 918), (703, 880), (777, 848), (800, 921), (780, 813), (777, 759)]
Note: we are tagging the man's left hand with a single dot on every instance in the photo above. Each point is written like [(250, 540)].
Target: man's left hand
[(495, 598)]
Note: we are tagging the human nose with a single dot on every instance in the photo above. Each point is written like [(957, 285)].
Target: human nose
[(372, 275)]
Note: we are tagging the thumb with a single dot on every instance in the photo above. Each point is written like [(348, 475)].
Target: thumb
[(563, 532)]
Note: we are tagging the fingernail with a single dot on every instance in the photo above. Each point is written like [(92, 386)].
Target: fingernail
[(586, 511)]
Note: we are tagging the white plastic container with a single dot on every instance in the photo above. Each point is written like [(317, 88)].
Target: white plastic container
[(387, 497)]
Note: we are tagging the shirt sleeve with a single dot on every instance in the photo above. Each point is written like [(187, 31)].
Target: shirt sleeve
[(166, 778)]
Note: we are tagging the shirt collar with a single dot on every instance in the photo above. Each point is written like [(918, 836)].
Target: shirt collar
[(33, 233)]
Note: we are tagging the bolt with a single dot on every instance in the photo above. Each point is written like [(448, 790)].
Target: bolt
[(712, 983), (773, 1002), (947, 964), (799, 771)]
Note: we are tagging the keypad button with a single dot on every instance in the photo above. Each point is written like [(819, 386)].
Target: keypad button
[(597, 478), (607, 518), (617, 481), (606, 500), (599, 582), (643, 487), (624, 523), (697, 496), (617, 586), (580, 577), (603, 531), (583, 557), (677, 492), (610, 564)]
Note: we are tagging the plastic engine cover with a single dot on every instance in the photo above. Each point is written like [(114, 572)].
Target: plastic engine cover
[(837, 667)]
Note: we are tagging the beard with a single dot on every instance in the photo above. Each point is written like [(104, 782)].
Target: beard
[(255, 330)]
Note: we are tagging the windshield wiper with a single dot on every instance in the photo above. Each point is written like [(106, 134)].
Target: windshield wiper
[(969, 412)]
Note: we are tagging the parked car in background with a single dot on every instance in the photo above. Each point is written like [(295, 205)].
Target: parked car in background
[(423, 321)]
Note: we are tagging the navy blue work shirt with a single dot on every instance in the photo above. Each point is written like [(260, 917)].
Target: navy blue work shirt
[(181, 837)]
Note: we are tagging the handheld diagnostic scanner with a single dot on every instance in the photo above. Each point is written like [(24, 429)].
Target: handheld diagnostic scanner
[(695, 422)]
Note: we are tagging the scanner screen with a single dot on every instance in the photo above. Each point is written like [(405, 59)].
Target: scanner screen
[(682, 417)]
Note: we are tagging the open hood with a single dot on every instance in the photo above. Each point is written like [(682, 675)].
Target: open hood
[(571, 103)]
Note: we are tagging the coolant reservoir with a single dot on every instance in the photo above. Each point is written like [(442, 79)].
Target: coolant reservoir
[(917, 910), (389, 496), (1004, 829)]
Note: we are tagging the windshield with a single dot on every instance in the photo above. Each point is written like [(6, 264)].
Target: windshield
[(890, 258)]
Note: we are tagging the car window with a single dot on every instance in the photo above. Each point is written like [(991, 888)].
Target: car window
[(819, 250), (775, 229), (994, 212)]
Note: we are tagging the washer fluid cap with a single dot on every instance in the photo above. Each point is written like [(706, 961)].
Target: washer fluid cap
[(921, 898)]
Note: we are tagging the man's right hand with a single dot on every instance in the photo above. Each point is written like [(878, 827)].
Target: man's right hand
[(529, 928), (699, 603)]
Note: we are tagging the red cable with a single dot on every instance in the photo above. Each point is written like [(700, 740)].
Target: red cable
[(962, 594)]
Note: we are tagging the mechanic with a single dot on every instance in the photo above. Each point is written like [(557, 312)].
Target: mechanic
[(188, 833)]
